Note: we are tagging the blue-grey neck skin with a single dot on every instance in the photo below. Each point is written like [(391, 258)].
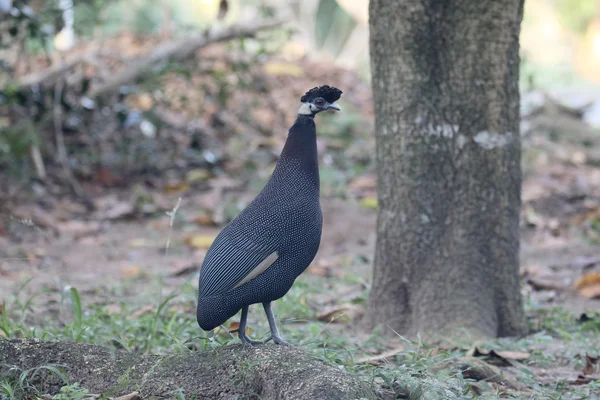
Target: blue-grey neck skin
[(301, 149)]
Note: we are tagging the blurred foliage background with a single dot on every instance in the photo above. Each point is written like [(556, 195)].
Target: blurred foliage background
[(144, 125)]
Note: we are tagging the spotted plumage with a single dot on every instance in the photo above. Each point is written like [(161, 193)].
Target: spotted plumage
[(258, 255)]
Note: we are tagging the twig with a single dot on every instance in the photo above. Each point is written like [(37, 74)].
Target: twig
[(49, 75), (179, 49), (171, 214), (63, 157), (38, 161)]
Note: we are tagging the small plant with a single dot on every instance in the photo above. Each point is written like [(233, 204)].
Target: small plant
[(71, 392)]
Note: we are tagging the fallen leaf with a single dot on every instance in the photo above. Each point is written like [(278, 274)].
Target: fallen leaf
[(79, 228), (199, 241), (339, 313), (203, 219), (234, 326), (231, 329), (544, 283), (143, 243), (592, 366), (105, 177), (130, 396), (141, 101), (591, 292), (325, 267), (147, 309), (479, 370), (196, 175), (368, 202), (498, 357), (381, 358), (512, 355), (176, 187), (589, 285), (111, 208), (113, 309), (132, 271), (363, 183), (283, 68), (582, 380), (585, 263), (186, 270)]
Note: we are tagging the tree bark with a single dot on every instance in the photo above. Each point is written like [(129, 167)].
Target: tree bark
[(445, 82), (229, 372)]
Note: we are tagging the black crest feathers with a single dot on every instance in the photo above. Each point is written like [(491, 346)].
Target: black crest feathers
[(330, 94)]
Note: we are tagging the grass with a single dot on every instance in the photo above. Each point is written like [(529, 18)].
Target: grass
[(122, 321)]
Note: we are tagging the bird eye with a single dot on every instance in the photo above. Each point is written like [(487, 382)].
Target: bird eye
[(319, 102)]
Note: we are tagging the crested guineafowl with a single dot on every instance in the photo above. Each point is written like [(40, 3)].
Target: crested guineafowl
[(258, 255)]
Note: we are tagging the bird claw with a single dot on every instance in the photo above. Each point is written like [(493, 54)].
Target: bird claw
[(246, 341), (279, 340)]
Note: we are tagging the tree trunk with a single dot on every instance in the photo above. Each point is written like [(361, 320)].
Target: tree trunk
[(445, 82)]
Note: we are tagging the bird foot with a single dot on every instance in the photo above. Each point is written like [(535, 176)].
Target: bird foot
[(246, 341), (279, 340)]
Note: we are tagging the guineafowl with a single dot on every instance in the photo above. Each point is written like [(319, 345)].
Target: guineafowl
[(257, 257)]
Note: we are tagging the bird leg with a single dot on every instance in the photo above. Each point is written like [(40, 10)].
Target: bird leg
[(241, 330), (273, 326)]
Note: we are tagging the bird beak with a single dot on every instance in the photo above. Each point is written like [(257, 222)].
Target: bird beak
[(334, 106)]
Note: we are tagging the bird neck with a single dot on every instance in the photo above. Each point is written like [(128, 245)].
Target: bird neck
[(300, 148)]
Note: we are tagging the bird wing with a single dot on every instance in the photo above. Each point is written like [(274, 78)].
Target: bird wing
[(233, 260)]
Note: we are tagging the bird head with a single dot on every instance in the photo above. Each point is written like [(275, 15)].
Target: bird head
[(320, 99)]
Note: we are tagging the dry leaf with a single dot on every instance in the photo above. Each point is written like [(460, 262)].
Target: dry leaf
[(363, 183), (582, 380), (199, 241), (339, 313), (589, 285), (381, 358), (283, 68), (111, 208), (498, 357), (141, 101), (325, 267), (545, 283), (113, 309), (105, 177), (234, 326), (186, 270), (132, 271), (130, 396), (479, 370), (177, 187), (592, 366), (368, 202), (141, 243), (512, 355), (147, 309), (196, 175), (203, 219)]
